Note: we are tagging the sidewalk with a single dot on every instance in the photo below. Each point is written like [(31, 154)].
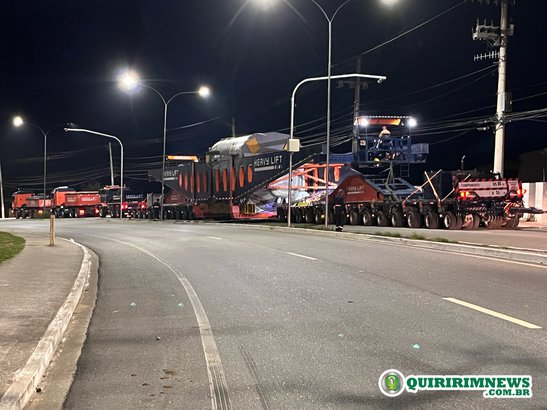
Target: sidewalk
[(34, 285)]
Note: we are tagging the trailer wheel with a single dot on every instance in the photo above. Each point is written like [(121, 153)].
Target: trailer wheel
[(319, 216), (471, 222), (298, 218), (431, 219), (495, 222), (354, 217), (413, 219), (309, 215), (397, 218), (512, 223), (366, 217), (381, 219), (450, 221)]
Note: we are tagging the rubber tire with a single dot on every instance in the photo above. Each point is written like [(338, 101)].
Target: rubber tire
[(319, 216), (512, 223), (450, 221), (309, 214), (476, 222), (297, 215), (397, 219), (354, 217), (281, 217), (431, 219), (331, 217), (413, 219), (459, 222), (366, 218), (381, 219)]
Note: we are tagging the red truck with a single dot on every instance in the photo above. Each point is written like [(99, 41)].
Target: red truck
[(69, 203), (25, 204)]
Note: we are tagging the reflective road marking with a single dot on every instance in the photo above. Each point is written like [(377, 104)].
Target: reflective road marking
[(494, 313), (302, 256)]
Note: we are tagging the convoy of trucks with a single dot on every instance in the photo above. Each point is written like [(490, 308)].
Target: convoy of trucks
[(247, 178)]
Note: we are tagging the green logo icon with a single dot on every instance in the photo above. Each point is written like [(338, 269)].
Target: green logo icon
[(392, 383)]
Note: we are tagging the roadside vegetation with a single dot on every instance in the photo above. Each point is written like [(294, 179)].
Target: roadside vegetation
[(10, 245)]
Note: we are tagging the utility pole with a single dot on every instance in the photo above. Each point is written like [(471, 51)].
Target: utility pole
[(2, 193), (497, 37), (499, 148), (111, 164), (356, 109)]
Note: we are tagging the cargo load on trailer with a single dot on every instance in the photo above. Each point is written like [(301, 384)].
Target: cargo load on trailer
[(232, 182)]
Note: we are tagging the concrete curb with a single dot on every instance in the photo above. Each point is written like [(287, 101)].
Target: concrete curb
[(514, 255), (27, 379)]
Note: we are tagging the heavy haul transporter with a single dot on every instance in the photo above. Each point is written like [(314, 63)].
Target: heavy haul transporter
[(247, 178)]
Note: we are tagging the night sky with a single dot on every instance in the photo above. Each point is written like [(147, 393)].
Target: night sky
[(60, 60)]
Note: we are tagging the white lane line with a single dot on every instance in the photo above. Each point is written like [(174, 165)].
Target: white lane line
[(470, 255), (302, 256), (218, 387), (494, 313), (215, 237)]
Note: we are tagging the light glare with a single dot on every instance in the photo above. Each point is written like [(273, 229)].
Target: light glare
[(264, 4), (412, 122), (390, 3), (204, 91), (129, 80), (18, 121), (363, 122)]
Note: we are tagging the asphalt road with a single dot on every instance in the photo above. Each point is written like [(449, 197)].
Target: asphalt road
[(265, 319)]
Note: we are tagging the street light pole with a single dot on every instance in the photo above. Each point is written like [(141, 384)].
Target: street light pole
[(165, 108), (329, 69), (378, 78), (17, 122), (130, 80), (121, 158)]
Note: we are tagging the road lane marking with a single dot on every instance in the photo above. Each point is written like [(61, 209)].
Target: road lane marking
[(302, 256), (215, 237), (494, 313), (217, 380), (491, 258)]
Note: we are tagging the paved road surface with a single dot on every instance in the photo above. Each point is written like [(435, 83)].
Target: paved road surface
[(294, 322)]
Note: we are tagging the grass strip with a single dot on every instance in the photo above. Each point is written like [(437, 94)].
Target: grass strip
[(10, 245)]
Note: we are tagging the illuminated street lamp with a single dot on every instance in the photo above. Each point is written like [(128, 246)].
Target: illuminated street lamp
[(19, 122), (130, 81), (330, 19), (378, 78)]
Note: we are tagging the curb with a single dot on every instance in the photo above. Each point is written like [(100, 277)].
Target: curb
[(513, 255), (27, 379)]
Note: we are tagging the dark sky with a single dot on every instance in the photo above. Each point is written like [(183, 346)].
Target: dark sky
[(60, 59)]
